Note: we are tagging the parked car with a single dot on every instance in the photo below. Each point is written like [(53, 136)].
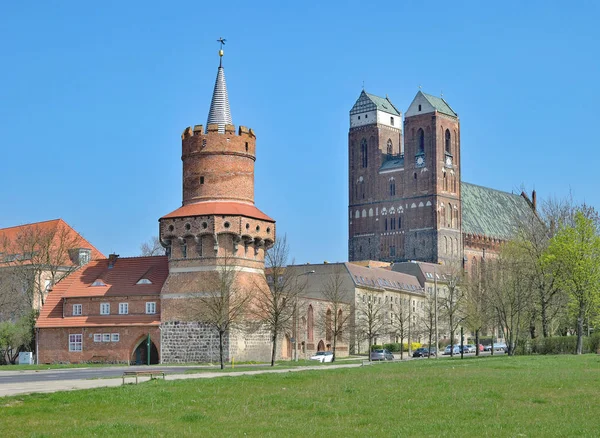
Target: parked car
[(323, 356), (480, 347), (470, 348), (455, 351), (381, 355), (424, 352), (500, 346)]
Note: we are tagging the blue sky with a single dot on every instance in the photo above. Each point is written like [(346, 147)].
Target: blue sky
[(94, 99)]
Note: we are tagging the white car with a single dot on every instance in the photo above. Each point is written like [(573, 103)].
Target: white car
[(323, 356)]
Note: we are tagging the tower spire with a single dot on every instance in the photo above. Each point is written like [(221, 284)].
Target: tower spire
[(220, 112)]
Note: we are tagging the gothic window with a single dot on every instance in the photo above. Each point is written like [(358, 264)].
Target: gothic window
[(184, 249), (445, 182), (393, 188), (449, 215), (340, 321), (385, 222), (390, 147), (310, 324), (363, 152), (393, 223), (420, 141), (399, 222), (447, 141)]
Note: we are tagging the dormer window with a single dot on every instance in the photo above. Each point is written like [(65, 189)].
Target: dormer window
[(419, 107), (144, 281), (392, 121), (98, 283)]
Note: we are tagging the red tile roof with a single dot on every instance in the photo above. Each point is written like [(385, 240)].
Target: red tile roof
[(19, 239), (381, 278), (219, 208), (120, 280)]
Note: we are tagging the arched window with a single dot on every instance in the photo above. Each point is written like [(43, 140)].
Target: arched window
[(448, 141), (399, 222), (310, 324), (363, 152), (390, 147), (420, 141), (328, 325), (340, 324), (449, 215), (393, 188)]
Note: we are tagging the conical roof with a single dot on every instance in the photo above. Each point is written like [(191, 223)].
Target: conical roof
[(219, 112)]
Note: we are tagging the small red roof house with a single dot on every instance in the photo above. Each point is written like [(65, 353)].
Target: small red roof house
[(40, 254), (106, 311)]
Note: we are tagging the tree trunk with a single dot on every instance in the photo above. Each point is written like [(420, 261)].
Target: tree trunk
[(221, 349), (544, 310), (334, 344), (580, 329), (477, 342), (451, 343), (274, 348)]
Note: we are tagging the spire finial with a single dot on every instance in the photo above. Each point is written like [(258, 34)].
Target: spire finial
[(419, 86), (222, 41)]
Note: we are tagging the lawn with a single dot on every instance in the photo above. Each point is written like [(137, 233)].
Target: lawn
[(493, 396)]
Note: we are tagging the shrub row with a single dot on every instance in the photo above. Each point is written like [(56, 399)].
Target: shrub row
[(559, 345), (395, 347)]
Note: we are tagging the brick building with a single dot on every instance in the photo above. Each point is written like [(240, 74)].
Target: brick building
[(406, 197)]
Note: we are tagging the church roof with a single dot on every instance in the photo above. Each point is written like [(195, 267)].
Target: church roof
[(218, 208), (220, 112), (395, 162), (370, 102), (439, 104), (491, 212)]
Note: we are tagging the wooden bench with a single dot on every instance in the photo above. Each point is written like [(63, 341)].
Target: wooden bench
[(153, 374)]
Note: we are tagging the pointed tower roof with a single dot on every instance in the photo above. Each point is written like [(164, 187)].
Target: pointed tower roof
[(219, 112), (370, 102), (426, 103)]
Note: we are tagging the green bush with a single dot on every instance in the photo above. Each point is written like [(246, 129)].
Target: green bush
[(561, 345), (376, 347), (394, 347)]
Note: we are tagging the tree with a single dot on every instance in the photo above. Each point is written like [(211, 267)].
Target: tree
[(452, 301), (15, 337), (336, 316), (223, 304), (574, 258), (39, 256), (427, 321), (152, 248), (369, 317), (400, 320), (277, 302), (509, 285)]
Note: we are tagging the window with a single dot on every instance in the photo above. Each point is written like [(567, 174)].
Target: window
[(98, 283), (393, 223), (201, 180), (114, 337), (123, 308), (447, 140), (106, 337), (76, 309), (184, 249), (75, 342), (385, 223), (97, 337), (144, 281), (151, 308), (390, 146), (419, 107), (104, 308), (393, 188), (421, 141), (392, 121), (363, 152), (310, 324)]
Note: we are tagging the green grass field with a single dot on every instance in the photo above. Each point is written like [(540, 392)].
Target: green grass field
[(492, 396)]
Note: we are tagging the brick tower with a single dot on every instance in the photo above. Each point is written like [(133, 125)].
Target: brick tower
[(404, 199), (218, 223)]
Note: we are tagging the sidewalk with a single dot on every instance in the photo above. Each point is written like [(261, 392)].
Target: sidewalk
[(71, 385)]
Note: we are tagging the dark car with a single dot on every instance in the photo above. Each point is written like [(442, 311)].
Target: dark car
[(424, 352), (381, 355)]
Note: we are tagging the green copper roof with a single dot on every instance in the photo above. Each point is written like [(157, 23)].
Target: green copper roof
[(440, 104), (491, 212), (369, 102)]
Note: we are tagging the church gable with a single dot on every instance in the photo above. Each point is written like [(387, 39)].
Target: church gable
[(490, 212), (426, 103)]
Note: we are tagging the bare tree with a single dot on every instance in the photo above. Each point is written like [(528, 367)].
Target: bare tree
[(277, 301), (476, 302), (369, 318), (452, 301), (39, 256), (223, 304), (426, 322), (400, 320), (337, 313), (152, 247)]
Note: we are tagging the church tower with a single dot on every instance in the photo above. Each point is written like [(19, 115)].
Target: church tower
[(217, 224), (404, 197), (432, 180)]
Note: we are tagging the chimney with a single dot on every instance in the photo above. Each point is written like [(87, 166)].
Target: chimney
[(112, 258), (534, 200)]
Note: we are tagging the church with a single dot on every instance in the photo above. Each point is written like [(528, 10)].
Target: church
[(406, 198)]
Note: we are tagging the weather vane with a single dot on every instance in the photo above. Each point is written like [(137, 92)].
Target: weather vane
[(222, 41)]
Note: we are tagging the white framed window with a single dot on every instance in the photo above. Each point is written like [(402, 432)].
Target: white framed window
[(123, 308), (114, 337), (76, 309), (105, 337), (151, 307), (97, 337), (76, 342), (104, 308)]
